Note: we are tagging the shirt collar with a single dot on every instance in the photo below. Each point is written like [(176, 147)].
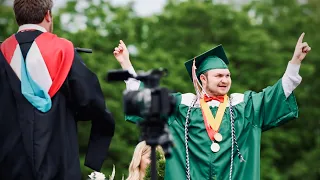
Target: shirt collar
[(32, 26)]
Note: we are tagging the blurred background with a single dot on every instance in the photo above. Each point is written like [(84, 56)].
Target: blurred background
[(259, 38)]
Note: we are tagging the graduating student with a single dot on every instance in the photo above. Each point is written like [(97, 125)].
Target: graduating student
[(45, 88), (216, 135)]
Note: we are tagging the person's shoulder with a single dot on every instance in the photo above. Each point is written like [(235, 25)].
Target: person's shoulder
[(10, 38), (55, 41), (187, 99), (236, 98), (9, 43)]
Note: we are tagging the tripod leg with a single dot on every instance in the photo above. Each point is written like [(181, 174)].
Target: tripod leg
[(153, 163)]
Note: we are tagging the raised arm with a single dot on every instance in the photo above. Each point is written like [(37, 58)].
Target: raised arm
[(291, 78), (276, 104), (121, 53)]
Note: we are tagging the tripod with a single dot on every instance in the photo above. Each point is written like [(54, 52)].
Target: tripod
[(156, 133)]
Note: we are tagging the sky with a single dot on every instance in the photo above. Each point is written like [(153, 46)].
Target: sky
[(142, 7), (149, 7)]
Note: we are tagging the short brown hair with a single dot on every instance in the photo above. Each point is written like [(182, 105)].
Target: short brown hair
[(31, 11)]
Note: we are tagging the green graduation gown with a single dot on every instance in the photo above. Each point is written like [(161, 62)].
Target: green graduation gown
[(253, 114)]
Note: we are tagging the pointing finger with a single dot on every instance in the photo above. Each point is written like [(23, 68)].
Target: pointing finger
[(301, 38)]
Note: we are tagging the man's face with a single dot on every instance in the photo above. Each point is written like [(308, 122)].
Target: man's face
[(216, 82)]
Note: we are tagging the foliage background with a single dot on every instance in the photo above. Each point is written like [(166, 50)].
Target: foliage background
[(258, 36)]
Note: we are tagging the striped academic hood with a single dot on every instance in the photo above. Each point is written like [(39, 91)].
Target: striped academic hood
[(44, 68)]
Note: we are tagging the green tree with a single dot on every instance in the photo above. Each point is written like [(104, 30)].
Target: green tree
[(259, 38)]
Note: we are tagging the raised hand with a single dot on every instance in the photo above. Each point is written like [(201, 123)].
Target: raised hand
[(301, 50), (121, 53)]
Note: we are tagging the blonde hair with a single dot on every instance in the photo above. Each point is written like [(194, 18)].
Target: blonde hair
[(134, 169)]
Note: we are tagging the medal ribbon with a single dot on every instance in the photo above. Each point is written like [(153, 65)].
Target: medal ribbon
[(212, 124)]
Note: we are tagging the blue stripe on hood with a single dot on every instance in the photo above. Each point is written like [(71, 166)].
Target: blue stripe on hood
[(36, 95)]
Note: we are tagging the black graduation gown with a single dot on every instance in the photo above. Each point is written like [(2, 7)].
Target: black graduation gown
[(44, 146)]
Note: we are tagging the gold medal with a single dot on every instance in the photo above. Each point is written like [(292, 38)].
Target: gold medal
[(218, 137), (215, 147)]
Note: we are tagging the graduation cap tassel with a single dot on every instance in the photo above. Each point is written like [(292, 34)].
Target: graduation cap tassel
[(201, 89), (196, 83)]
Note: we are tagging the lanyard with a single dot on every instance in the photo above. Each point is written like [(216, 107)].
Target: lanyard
[(212, 124)]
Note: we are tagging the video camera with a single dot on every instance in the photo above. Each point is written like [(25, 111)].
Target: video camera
[(153, 103), (149, 101)]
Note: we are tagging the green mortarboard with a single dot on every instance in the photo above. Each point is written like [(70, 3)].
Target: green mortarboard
[(215, 58)]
